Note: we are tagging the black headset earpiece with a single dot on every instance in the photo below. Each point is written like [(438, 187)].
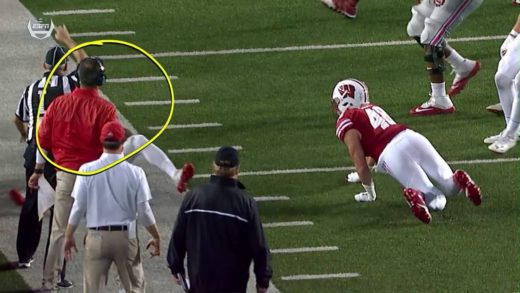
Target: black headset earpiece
[(100, 74)]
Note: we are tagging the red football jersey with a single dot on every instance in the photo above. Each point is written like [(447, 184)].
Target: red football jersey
[(376, 127)]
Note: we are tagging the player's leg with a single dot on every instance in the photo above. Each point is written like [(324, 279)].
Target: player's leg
[(396, 161), (507, 71), (152, 154), (155, 156), (509, 136), (445, 16), (436, 168), (464, 69)]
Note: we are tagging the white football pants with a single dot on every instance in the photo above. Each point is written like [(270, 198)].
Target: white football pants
[(507, 81), (412, 160), (439, 19), (152, 154)]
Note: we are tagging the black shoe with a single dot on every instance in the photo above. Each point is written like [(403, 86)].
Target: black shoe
[(65, 284)]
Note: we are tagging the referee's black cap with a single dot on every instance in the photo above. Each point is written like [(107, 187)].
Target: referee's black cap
[(54, 55)]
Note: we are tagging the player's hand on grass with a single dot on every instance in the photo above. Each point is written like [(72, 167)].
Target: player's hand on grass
[(353, 177), (364, 197)]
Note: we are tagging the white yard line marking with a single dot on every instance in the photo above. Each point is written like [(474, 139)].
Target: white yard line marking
[(271, 198), (108, 33), (293, 48), (162, 102), (287, 224), (351, 168), (318, 277), (79, 11), (138, 79), (199, 150), (305, 249), (177, 126)]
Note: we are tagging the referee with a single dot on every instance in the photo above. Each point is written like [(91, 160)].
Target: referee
[(29, 226)]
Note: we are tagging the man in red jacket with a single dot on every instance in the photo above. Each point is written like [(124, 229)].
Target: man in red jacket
[(70, 130)]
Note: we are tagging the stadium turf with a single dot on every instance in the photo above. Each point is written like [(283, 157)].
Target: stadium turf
[(276, 106)]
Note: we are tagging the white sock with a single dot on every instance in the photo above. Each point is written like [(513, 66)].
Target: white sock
[(152, 154), (457, 61), (438, 89)]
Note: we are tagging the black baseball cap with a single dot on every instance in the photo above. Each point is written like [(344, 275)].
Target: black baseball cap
[(54, 55), (227, 156)]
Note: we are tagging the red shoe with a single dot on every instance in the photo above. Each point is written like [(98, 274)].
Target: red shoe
[(430, 108), (186, 174), (345, 7), (416, 202), (460, 82), (471, 189), (17, 197)]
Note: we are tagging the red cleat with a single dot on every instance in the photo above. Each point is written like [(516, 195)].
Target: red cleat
[(460, 82), (416, 202), (471, 189), (186, 174), (429, 108), (16, 197), (345, 7)]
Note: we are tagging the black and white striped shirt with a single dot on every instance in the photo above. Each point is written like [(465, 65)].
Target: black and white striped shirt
[(30, 99)]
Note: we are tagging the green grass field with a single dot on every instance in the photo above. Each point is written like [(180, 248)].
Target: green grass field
[(276, 106)]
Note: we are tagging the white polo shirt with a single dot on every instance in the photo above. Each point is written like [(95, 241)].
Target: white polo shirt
[(110, 197)]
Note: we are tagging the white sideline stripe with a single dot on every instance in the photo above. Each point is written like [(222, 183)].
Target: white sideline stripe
[(177, 126), (293, 48), (79, 11), (351, 168), (305, 249), (271, 198), (287, 224), (108, 33), (162, 102), (199, 150), (318, 277), (215, 213), (138, 79)]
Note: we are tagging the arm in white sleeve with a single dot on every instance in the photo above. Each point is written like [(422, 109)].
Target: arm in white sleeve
[(145, 214), (39, 158)]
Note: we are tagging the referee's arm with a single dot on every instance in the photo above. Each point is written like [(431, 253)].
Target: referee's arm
[(62, 35), (21, 117)]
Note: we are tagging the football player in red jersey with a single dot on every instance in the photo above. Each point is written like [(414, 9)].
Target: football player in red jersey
[(368, 131)]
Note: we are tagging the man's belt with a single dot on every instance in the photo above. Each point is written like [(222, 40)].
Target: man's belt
[(110, 228)]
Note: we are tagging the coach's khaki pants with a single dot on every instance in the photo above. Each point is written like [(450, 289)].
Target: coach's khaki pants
[(102, 248), (62, 206)]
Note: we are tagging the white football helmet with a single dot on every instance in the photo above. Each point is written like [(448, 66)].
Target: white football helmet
[(349, 93)]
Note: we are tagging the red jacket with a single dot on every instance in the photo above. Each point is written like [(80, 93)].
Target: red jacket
[(72, 125)]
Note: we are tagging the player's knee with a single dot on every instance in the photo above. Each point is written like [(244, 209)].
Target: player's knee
[(503, 81), (434, 56), (431, 31), (415, 25)]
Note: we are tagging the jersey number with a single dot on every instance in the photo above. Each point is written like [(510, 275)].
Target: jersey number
[(379, 118)]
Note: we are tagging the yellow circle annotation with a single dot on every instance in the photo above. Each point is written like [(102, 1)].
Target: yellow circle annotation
[(101, 43)]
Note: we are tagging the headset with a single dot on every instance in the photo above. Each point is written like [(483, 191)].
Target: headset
[(100, 76)]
